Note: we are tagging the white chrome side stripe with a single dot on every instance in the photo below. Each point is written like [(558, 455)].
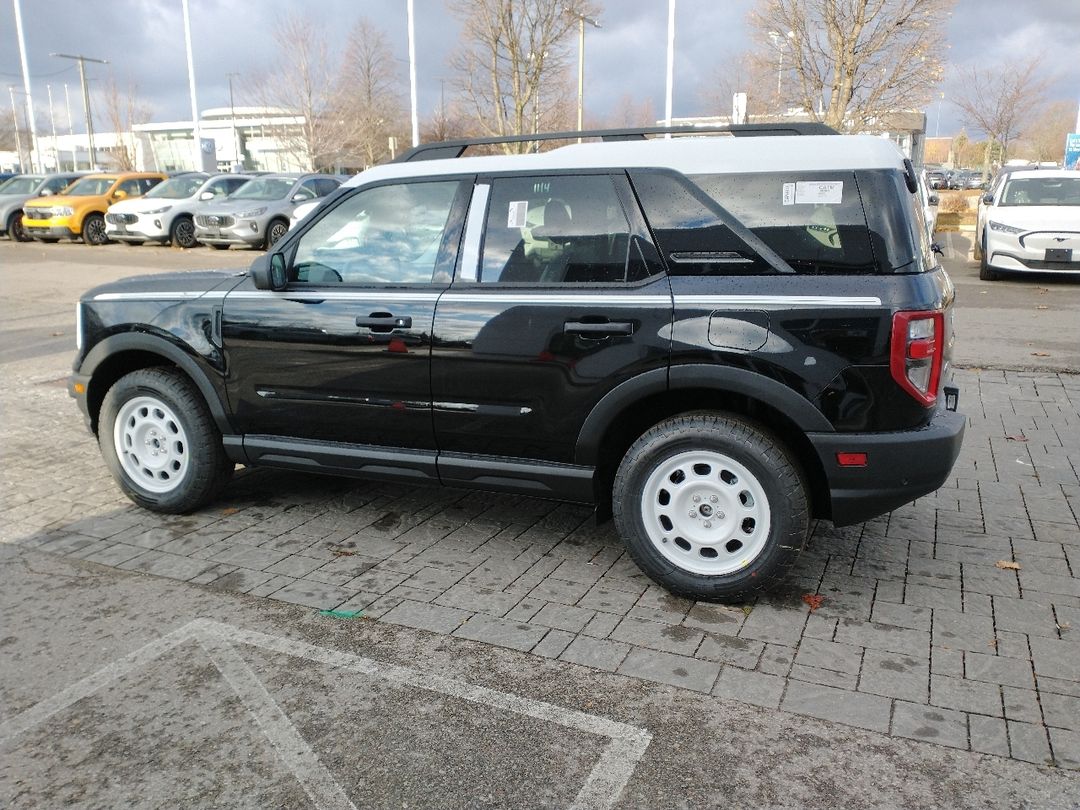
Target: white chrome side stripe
[(776, 301), (158, 296)]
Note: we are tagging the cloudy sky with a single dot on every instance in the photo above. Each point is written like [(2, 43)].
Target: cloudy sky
[(144, 39)]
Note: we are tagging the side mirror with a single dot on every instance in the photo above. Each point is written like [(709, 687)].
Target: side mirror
[(988, 199), (936, 248), (269, 272), (301, 196), (932, 199), (119, 194), (206, 195)]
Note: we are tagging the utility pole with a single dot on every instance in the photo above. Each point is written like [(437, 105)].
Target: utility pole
[(35, 149), (237, 156), (670, 63), (15, 118), (412, 76), (82, 60)]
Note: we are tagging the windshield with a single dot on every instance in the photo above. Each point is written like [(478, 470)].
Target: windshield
[(1042, 191), (178, 188), (21, 185), (90, 187), (264, 188)]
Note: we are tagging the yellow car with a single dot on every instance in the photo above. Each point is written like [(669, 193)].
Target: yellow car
[(79, 210)]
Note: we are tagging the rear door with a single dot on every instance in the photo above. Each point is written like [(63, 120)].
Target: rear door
[(559, 298)]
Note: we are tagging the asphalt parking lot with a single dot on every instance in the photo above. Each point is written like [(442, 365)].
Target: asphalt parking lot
[(506, 652)]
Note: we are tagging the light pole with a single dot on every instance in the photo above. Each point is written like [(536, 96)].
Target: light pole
[(779, 42), (670, 63), (237, 157), (582, 19), (195, 132), (82, 60), (412, 76), (15, 119), (52, 123), (937, 121), (35, 148)]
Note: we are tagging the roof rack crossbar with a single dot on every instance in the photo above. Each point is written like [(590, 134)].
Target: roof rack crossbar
[(456, 148)]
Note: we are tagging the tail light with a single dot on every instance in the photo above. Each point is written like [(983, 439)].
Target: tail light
[(918, 343)]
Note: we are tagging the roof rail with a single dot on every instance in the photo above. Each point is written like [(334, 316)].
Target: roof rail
[(456, 148)]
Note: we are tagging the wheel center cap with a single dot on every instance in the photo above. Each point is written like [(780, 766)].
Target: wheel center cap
[(705, 510)]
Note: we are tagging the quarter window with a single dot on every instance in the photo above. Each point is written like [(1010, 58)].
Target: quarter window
[(555, 230), (385, 235)]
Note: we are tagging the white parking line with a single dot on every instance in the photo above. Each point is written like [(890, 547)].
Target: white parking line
[(601, 789)]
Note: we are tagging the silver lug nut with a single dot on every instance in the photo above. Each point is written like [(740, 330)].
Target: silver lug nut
[(697, 499), (719, 515), (708, 524), (713, 498), (693, 513)]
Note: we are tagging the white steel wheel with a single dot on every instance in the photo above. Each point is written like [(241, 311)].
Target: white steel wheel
[(151, 444), (705, 512)]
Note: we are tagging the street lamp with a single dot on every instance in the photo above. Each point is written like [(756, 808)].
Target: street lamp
[(82, 60), (582, 19), (779, 42)]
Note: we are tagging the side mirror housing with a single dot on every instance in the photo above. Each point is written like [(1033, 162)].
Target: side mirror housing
[(933, 199), (301, 196), (119, 194), (936, 249), (988, 199), (45, 192), (269, 272), (206, 195)]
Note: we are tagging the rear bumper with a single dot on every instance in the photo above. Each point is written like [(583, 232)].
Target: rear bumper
[(901, 466)]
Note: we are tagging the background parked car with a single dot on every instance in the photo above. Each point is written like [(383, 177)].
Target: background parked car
[(929, 202), (258, 214), (974, 179), (1033, 224), (165, 213), (19, 190), (79, 211), (937, 179)]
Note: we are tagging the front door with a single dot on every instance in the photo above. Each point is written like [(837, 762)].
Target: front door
[(342, 355)]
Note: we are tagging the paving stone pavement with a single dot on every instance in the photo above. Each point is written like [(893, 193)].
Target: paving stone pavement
[(922, 630)]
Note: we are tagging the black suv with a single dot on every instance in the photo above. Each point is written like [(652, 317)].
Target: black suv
[(713, 339)]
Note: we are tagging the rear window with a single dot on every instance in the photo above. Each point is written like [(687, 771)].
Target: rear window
[(814, 221)]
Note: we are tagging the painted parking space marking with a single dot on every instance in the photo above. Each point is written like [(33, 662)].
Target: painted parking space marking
[(605, 782)]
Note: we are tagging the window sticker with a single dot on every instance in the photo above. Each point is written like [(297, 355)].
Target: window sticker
[(827, 192), (789, 193), (517, 213)]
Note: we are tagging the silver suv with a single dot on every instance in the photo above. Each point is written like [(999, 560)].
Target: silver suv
[(258, 214), (15, 192), (164, 214)]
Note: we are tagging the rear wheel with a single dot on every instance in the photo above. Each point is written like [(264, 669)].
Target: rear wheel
[(15, 229), (182, 233), (160, 442), (711, 507), (93, 230)]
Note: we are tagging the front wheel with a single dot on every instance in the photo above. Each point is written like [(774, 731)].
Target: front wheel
[(182, 233), (986, 272), (160, 442), (278, 228), (711, 507), (93, 230), (16, 230)]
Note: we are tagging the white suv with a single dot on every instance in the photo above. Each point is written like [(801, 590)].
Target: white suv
[(164, 214), (1032, 224)]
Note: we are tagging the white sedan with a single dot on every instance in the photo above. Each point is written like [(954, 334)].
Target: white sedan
[(1032, 225)]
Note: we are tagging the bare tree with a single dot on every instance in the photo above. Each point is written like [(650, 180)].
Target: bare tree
[(369, 96), (123, 109), (512, 50), (1000, 101), (848, 61), (1044, 140), (628, 113), (745, 73), (304, 81)]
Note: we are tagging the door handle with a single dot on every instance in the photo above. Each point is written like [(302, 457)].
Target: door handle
[(384, 322), (600, 329)]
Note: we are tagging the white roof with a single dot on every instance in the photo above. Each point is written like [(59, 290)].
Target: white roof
[(688, 155)]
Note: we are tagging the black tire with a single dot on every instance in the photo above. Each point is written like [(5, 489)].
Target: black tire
[(93, 230), (986, 272), (735, 440), (219, 247), (132, 242), (16, 230), (182, 233), (204, 467), (274, 231)]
